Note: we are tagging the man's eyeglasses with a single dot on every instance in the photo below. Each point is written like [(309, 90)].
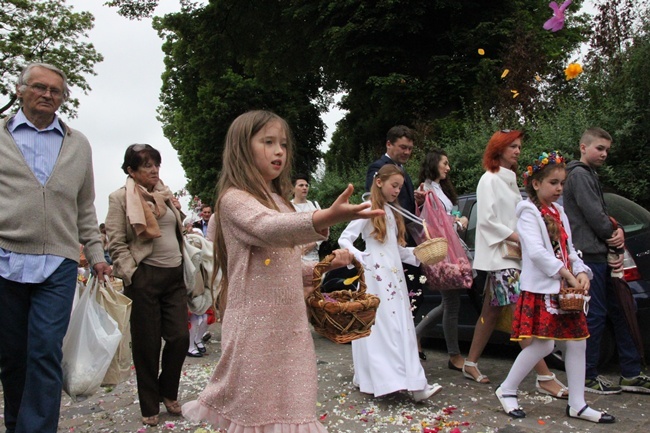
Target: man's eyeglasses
[(41, 89)]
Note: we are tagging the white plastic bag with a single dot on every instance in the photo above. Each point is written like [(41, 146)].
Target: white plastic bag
[(89, 345)]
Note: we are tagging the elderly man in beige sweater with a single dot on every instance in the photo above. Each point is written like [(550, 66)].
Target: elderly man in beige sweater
[(47, 200)]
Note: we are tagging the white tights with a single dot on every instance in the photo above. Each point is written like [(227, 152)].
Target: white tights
[(198, 327), (574, 361)]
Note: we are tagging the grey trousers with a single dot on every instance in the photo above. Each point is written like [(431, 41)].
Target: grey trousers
[(448, 310)]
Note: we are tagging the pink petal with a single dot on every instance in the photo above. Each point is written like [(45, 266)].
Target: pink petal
[(565, 5)]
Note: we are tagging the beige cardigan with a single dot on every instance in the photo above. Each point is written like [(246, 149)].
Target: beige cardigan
[(125, 248), (56, 217)]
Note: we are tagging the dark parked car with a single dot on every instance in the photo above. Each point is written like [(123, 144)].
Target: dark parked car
[(636, 223)]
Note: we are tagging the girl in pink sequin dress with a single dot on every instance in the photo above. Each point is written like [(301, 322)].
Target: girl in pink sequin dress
[(266, 378)]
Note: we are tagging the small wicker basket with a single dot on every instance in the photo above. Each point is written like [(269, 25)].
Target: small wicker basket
[(342, 315), (571, 299), (431, 251)]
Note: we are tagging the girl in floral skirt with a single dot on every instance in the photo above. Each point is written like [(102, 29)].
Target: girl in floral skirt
[(548, 259)]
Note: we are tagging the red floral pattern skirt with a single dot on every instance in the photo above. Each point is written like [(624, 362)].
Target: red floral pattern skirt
[(539, 315)]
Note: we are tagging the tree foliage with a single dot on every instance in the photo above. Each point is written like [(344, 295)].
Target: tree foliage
[(414, 62), (227, 58), (44, 31)]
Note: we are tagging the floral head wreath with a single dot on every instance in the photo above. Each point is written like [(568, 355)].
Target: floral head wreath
[(555, 157)]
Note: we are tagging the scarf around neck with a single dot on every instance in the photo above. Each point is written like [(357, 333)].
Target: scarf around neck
[(144, 208)]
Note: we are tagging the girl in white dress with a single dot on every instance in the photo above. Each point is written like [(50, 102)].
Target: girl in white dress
[(387, 360)]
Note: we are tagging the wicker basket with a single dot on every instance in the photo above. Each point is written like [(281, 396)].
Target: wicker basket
[(571, 299), (431, 251), (342, 315)]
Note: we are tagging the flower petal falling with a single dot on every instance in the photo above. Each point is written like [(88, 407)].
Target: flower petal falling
[(556, 22), (572, 71)]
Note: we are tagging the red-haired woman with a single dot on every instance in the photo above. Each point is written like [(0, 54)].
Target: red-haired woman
[(497, 196)]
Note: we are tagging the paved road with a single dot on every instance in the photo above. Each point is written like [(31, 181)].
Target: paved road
[(462, 404)]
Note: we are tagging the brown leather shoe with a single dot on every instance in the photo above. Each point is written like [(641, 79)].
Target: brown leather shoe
[(150, 420)]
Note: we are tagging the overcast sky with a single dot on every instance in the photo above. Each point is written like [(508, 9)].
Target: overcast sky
[(121, 107)]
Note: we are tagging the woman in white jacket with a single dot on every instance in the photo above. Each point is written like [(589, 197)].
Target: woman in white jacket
[(548, 258)]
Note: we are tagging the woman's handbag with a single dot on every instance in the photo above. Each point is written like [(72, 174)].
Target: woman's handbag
[(510, 250), (342, 315), (89, 345)]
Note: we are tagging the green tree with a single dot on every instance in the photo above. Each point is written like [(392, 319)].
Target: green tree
[(44, 31), (415, 61), (619, 93), (227, 58)]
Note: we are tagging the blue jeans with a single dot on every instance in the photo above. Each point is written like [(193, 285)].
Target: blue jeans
[(603, 303), (33, 321)]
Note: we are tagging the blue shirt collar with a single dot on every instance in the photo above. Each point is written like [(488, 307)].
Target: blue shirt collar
[(20, 119)]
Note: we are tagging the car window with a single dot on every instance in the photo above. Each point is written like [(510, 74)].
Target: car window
[(630, 215)]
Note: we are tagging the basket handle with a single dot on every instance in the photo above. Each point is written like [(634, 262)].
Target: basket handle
[(320, 269)]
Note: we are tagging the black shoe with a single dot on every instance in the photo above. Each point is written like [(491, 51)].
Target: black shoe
[(601, 418), (200, 347), (423, 357), (206, 337), (451, 366), (512, 411), (195, 354)]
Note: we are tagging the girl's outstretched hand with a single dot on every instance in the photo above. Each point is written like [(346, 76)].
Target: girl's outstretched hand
[(343, 211)]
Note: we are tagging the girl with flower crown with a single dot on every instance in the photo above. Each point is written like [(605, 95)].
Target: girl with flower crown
[(548, 259)]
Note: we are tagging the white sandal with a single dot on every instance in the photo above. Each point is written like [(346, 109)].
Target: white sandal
[(562, 393), (478, 378)]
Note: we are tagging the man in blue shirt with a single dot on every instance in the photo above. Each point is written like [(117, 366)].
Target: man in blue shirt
[(47, 172)]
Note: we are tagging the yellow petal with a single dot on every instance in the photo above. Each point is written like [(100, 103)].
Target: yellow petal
[(505, 72), (538, 78), (515, 95), (350, 280), (481, 51), (482, 321), (267, 261)]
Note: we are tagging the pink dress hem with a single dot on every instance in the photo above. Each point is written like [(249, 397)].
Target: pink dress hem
[(194, 411)]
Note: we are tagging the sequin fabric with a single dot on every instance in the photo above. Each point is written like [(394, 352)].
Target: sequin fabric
[(266, 379)]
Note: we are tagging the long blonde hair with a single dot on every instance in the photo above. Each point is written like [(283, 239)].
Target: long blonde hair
[(378, 202), (239, 171)]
